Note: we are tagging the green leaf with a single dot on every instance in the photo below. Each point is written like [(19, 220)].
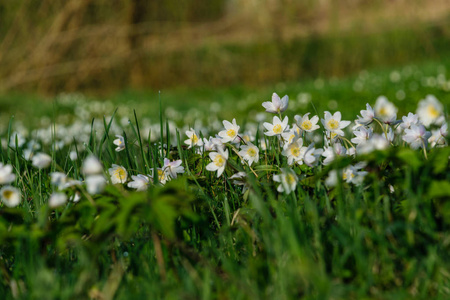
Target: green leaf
[(439, 189), (410, 157), (441, 160)]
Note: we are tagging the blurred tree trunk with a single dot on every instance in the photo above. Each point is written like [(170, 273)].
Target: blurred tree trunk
[(137, 14)]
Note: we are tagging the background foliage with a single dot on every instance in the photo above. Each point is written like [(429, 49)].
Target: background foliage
[(98, 45)]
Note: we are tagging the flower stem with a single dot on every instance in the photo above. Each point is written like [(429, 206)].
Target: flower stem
[(382, 127), (348, 142), (424, 150)]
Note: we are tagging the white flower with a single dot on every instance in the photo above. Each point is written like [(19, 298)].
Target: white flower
[(219, 161), (353, 175), (58, 145), (41, 160), (248, 137), (231, 131), (91, 166), (277, 128), (385, 110), (410, 119), (331, 135), (6, 175), (288, 180), (140, 182), (239, 179), (76, 197), (73, 155), (362, 135), (390, 135), (193, 140), (311, 156), (118, 174), (69, 183), (163, 177), (277, 105), (58, 179), (376, 142), (294, 151), (250, 153), (119, 142), (291, 134), (351, 151), (307, 124), (333, 123), (95, 184), (20, 140), (436, 139), (262, 144), (33, 145), (417, 136), (173, 167), (391, 189), (366, 116), (330, 153), (57, 199), (213, 144), (10, 196), (430, 111), (332, 178), (27, 153)]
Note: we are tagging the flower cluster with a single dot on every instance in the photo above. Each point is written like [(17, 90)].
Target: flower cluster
[(375, 128), (293, 149)]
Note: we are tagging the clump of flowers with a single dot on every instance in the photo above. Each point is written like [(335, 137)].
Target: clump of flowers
[(281, 152), (293, 145)]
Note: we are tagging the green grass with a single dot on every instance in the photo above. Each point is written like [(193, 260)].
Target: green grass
[(200, 237), (243, 102)]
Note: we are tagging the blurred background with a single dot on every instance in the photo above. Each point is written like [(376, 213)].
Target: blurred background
[(106, 46)]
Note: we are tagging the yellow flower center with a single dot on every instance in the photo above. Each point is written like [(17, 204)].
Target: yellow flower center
[(291, 137), (277, 129), (434, 113), (251, 152), (333, 135), (194, 139), (344, 176), (295, 151), (382, 111), (306, 125), (7, 194), (219, 161), (120, 173), (290, 179), (161, 175), (231, 132), (333, 124)]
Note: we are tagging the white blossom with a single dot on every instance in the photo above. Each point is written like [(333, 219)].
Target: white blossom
[(277, 105), (10, 196)]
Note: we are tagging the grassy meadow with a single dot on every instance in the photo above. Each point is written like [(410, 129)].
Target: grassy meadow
[(224, 149), (374, 225)]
